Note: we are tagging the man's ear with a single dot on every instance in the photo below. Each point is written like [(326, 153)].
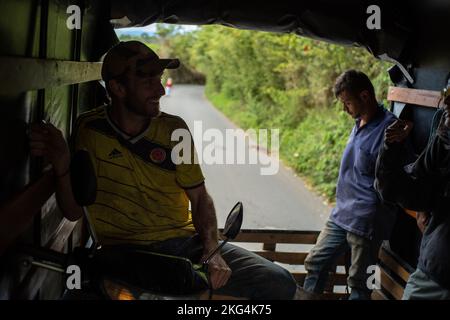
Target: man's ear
[(365, 96), (117, 88)]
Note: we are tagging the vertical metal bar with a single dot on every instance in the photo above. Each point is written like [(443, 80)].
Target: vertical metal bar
[(37, 164), (76, 56), (43, 35)]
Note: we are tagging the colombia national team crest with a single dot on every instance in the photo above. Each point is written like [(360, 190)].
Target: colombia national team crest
[(158, 155)]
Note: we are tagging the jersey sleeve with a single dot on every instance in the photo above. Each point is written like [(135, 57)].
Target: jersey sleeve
[(188, 171), (82, 139)]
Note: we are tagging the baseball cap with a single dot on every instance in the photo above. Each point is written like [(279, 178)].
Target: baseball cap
[(136, 57)]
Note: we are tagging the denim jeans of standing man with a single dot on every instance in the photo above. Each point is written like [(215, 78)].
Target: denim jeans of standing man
[(332, 243)]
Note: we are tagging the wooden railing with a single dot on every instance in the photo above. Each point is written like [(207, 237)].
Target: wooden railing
[(294, 259), (394, 273), (425, 98)]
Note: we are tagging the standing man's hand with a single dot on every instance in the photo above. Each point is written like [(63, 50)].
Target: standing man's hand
[(398, 131), (218, 271), (422, 219), (48, 142)]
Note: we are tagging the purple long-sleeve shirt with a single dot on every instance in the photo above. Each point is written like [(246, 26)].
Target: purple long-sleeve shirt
[(357, 202)]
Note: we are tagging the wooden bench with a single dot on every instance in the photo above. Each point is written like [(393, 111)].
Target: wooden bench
[(394, 274)]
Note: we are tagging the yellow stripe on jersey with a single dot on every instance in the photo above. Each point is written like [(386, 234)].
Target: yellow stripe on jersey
[(140, 195)]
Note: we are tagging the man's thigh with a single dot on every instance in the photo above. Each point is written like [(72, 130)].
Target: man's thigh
[(255, 277), (330, 244), (252, 276), (364, 253)]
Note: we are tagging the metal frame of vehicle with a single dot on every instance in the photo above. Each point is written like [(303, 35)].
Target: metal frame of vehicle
[(49, 73)]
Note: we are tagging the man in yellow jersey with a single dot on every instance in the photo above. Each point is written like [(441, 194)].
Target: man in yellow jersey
[(142, 195)]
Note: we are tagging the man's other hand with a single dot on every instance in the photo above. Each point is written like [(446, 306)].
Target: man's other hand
[(218, 271), (48, 142), (398, 131), (422, 219)]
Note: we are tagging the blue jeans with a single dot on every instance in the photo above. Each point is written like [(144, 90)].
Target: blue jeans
[(421, 287), (332, 243), (252, 276)]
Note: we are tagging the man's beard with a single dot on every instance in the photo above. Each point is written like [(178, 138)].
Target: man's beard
[(355, 115), (133, 107)]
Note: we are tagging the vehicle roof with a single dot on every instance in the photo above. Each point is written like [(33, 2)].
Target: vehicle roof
[(343, 21)]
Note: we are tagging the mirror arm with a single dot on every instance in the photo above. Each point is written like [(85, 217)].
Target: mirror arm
[(206, 261)]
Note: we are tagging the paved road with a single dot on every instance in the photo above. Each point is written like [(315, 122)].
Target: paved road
[(278, 201)]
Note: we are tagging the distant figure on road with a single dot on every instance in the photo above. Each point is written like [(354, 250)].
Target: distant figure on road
[(169, 84), (356, 220)]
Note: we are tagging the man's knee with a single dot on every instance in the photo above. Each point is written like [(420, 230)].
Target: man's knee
[(325, 251), (257, 278), (313, 262), (309, 260), (280, 283)]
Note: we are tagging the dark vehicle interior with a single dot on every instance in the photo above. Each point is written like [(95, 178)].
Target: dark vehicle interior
[(50, 72)]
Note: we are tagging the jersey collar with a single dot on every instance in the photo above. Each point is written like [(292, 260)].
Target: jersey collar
[(123, 134)]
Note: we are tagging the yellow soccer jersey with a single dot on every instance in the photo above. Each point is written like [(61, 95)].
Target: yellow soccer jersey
[(140, 191)]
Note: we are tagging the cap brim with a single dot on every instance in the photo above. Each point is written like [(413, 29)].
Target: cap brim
[(170, 63), (153, 68)]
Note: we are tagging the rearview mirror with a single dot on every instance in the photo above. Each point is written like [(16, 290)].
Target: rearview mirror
[(234, 221), (231, 230)]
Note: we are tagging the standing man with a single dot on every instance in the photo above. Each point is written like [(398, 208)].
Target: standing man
[(424, 187), (355, 221), (142, 195)]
